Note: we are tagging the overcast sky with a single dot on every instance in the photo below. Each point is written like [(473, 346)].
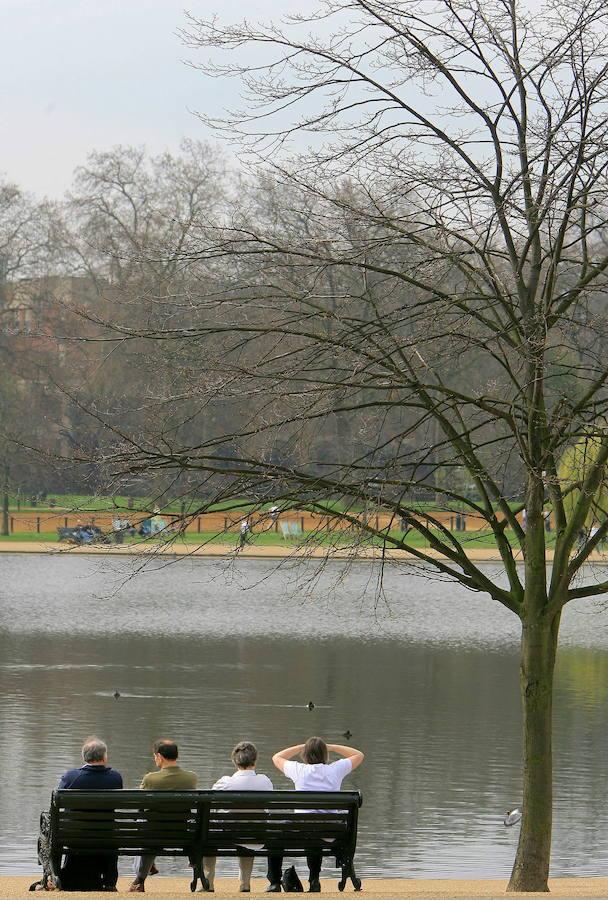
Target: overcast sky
[(78, 75)]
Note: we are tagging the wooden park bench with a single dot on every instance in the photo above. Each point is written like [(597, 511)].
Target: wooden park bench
[(200, 823)]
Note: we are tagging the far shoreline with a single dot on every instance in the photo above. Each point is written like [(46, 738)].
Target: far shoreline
[(252, 551)]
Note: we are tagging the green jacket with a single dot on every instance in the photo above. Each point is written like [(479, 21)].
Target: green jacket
[(171, 778)]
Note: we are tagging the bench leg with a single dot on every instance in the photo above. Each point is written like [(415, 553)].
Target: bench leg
[(353, 877), (348, 871), (199, 872), (195, 877)]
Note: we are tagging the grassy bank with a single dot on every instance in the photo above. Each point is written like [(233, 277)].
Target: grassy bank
[(470, 540)]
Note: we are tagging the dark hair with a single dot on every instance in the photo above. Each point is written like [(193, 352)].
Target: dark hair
[(166, 749), (315, 751), (244, 755), (94, 750)]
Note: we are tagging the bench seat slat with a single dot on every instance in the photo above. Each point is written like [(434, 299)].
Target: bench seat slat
[(141, 835), (276, 816), (229, 824), (242, 834), (236, 828), (235, 825), (127, 839), (279, 847), (106, 831), (134, 849), (94, 820), (104, 819)]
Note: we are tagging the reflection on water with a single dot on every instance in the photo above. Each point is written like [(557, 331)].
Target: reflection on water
[(425, 679)]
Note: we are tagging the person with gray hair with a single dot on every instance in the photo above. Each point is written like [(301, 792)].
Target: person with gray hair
[(98, 872), (95, 774), (244, 756)]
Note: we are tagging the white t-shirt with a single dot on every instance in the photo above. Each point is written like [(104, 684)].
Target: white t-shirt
[(243, 780), (318, 777)]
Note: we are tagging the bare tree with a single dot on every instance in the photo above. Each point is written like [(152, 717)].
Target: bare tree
[(130, 216), (27, 249), (437, 275)]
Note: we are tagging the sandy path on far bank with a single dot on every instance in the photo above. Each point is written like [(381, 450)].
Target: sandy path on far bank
[(274, 551)]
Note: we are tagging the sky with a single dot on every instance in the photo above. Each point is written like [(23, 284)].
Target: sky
[(83, 75)]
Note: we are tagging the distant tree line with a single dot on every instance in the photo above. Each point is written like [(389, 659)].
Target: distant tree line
[(121, 255)]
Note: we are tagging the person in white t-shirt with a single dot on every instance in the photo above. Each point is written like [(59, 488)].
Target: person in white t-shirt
[(315, 773), (244, 756)]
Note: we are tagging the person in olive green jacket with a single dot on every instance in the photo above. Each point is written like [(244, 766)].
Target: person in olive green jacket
[(169, 777)]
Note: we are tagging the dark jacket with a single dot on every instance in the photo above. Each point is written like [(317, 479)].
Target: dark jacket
[(92, 778), (98, 871)]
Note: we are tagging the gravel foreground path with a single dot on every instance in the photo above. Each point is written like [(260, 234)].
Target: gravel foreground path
[(174, 888)]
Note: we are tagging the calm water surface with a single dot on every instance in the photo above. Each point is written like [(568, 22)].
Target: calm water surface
[(425, 676)]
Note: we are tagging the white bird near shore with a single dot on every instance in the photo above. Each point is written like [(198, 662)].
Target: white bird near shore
[(513, 816)]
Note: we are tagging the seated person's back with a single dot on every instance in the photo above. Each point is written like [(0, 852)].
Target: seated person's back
[(246, 778), (169, 777), (90, 872)]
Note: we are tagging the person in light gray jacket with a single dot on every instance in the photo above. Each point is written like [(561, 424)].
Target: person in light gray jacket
[(244, 756)]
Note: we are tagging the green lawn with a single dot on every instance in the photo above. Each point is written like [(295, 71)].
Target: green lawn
[(472, 539)]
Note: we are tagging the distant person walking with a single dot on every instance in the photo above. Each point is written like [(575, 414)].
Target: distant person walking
[(118, 528), (245, 532)]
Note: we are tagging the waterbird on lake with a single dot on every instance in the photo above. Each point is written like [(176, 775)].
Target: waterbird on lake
[(310, 705), (116, 695), (513, 816), (347, 734)]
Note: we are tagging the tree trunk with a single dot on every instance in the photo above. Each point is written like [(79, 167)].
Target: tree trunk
[(538, 651)]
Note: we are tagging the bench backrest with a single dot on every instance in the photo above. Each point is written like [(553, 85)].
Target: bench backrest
[(126, 821), (287, 821), (196, 822)]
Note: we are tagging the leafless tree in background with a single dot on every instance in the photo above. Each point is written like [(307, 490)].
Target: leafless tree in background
[(28, 245), (128, 226)]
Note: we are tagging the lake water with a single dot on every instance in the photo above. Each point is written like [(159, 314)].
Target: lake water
[(424, 675)]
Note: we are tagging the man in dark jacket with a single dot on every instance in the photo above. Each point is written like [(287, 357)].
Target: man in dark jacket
[(86, 872)]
